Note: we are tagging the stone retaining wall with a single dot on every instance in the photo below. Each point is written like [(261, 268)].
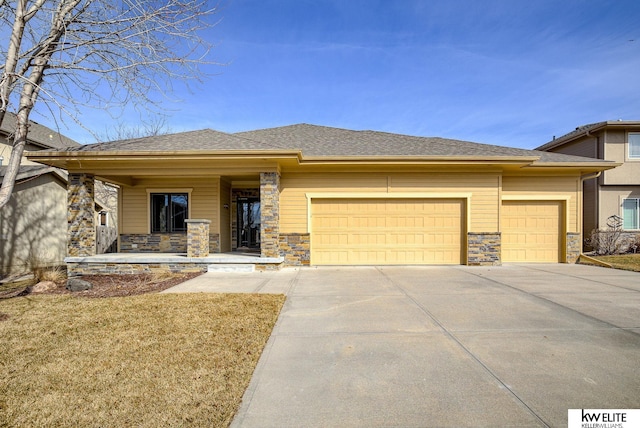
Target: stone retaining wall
[(92, 268)]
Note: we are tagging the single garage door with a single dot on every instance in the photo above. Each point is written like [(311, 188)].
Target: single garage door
[(531, 231), (386, 231)]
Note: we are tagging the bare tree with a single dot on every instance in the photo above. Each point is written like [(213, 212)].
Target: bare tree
[(157, 125), (100, 53)]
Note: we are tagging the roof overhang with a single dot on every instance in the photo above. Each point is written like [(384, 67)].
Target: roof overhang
[(583, 167), (130, 164)]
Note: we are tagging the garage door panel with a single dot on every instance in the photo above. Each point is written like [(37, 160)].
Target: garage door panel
[(531, 231), (381, 231)]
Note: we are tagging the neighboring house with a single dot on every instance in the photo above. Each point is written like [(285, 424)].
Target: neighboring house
[(314, 195), (616, 191), (33, 224)]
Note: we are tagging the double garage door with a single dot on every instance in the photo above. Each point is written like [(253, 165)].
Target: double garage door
[(386, 231), (426, 231)]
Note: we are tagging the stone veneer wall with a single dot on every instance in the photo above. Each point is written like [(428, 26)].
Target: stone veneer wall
[(81, 231), (94, 268), (573, 247), (295, 248), (484, 249), (162, 243), (269, 214)]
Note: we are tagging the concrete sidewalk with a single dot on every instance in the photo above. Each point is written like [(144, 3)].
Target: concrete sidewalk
[(516, 345)]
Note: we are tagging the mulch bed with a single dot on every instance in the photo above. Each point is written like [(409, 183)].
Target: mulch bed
[(111, 285)]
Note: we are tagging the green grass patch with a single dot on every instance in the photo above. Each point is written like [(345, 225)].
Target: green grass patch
[(148, 360), (623, 261)]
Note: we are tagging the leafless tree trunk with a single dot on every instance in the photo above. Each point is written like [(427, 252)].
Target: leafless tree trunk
[(71, 54)]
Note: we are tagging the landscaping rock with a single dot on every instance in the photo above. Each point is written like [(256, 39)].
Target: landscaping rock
[(77, 284), (43, 286)]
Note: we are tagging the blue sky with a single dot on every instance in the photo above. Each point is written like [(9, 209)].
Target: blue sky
[(505, 72)]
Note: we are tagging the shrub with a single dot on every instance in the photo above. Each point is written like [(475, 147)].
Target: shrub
[(44, 270), (610, 240)]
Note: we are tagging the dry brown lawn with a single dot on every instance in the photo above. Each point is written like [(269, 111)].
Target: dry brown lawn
[(148, 360), (623, 261)]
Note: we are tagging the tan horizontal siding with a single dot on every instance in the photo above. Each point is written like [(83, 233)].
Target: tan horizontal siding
[(546, 188), (203, 203), (484, 190)]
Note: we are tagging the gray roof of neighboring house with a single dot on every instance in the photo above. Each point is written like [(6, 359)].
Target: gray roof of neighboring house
[(585, 129), (322, 141), (29, 171), (38, 134)]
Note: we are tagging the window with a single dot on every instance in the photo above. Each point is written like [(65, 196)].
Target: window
[(634, 145), (168, 212), (630, 214)]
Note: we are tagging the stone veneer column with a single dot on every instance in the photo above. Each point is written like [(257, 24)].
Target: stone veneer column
[(296, 248), (197, 237), (269, 214), (81, 230), (484, 249), (574, 247)]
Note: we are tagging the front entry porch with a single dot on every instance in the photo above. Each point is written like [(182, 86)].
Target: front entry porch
[(180, 225)]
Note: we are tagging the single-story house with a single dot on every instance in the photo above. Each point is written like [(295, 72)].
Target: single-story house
[(314, 195)]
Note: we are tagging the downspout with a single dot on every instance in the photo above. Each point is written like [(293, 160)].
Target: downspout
[(583, 178)]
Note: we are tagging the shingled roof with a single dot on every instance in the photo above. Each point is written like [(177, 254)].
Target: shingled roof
[(586, 129), (203, 140), (314, 141), (321, 141), (29, 171), (38, 134)]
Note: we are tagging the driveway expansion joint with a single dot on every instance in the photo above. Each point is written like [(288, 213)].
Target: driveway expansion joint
[(551, 302), (474, 357)]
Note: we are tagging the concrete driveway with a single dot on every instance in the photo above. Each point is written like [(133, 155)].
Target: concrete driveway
[(516, 345)]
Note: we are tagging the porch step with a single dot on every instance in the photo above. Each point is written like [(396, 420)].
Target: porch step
[(231, 267)]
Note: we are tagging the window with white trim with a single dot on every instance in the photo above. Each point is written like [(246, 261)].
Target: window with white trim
[(168, 212), (631, 214), (634, 145)]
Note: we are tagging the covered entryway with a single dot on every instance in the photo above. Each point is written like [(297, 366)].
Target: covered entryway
[(532, 231), (386, 231)]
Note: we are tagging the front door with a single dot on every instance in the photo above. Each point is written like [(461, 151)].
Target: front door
[(248, 223)]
